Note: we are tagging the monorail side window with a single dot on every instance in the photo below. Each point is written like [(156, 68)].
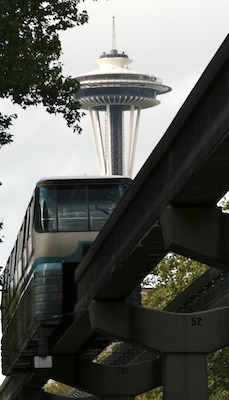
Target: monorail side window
[(102, 202), (45, 209), (75, 207), (72, 209)]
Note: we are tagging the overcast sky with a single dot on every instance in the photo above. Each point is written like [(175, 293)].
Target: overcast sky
[(173, 40)]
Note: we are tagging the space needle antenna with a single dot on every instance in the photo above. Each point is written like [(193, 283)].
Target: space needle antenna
[(113, 36)]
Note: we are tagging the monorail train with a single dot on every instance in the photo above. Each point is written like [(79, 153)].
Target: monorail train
[(61, 222)]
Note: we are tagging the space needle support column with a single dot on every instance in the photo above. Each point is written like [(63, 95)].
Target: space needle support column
[(135, 142), (116, 118), (130, 140), (109, 165), (133, 145), (98, 143)]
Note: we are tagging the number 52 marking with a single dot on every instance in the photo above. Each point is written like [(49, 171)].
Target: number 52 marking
[(196, 321)]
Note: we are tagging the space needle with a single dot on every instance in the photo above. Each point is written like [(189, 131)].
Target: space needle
[(112, 89)]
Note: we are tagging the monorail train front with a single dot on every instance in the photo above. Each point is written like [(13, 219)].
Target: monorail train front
[(61, 222)]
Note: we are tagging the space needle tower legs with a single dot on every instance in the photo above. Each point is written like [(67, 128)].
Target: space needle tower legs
[(98, 142), (113, 89)]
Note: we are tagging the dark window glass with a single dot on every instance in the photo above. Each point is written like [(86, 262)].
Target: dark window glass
[(72, 209), (75, 208), (102, 202), (45, 210)]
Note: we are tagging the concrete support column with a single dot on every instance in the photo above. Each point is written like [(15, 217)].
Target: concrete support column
[(184, 377)]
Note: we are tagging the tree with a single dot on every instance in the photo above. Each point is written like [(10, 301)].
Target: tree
[(30, 49), (0, 230), (171, 277), (5, 138)]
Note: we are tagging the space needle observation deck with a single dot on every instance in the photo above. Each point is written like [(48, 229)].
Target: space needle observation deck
[(114, 88)]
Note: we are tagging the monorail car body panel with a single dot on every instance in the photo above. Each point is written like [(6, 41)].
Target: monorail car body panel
[(61, 222), (63, 246)]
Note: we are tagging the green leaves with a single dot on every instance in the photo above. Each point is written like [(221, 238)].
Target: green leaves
[(5, 123), (171, 277), (30, 49), (56, 387)]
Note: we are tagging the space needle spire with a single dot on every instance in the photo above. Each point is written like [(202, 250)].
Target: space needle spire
[(114, 89), (113, 47)]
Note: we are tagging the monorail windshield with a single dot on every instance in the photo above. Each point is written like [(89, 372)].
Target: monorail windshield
[(75, 208)]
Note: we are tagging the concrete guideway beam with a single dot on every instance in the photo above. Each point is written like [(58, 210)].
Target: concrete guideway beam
[(37, 394), (162, 331), (182, 339), (34, 394), (107, 381), (198, 232), (51, 396)]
